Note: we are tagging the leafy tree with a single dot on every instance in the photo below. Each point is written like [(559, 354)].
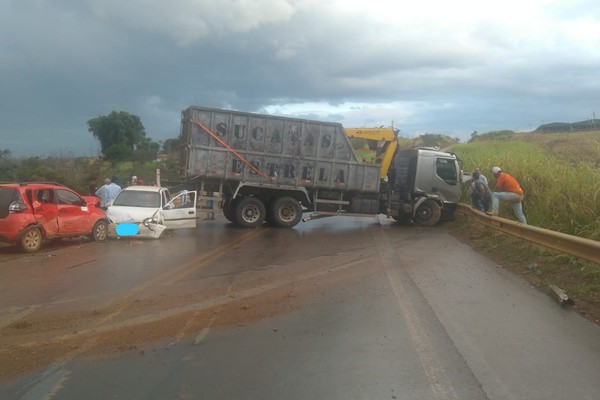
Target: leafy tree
[(119, 134), (146, 150), (474, 137)]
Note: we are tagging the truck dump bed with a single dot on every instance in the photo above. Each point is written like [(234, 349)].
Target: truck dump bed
[(223, 145)]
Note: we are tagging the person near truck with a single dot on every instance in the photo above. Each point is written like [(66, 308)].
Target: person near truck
[(472, 192), (482, 177), (481, 195), (507, 189)]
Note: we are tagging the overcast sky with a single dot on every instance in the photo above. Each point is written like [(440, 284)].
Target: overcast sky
[(428, 66)]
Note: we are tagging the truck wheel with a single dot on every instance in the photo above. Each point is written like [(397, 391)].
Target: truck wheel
[(285, 212), (100, 231), (227, 208), (249, 212), (31, 240), (428, 214)]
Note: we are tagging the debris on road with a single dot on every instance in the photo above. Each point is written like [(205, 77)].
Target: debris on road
[(560, 295)]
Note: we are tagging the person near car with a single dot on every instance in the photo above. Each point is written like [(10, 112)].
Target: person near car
[(507, 189), (481, 195), (108, 192), (93, 187), (102, 193)]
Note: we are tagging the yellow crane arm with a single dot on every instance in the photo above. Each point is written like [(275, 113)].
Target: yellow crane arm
[(387, 135)]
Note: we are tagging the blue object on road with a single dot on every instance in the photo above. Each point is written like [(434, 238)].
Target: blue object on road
[(127, 229)]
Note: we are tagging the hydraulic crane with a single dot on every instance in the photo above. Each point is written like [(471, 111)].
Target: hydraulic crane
[(386, 137)]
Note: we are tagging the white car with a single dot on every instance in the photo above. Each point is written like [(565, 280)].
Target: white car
[(147, 211)]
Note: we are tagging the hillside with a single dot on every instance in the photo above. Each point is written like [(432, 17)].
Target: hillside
[(588, 125), (573, 147)]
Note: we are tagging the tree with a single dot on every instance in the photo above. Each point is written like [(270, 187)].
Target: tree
[(119, 134), (146, 150), (171, 145)]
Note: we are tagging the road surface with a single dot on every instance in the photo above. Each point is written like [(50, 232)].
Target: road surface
[(336, 308)]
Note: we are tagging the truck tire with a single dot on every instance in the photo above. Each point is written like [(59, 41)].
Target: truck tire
[(228, 208), (31, 240), (249, 212), (286, 212), (428, 214)]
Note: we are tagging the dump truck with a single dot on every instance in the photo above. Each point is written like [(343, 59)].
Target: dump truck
[(284, 170)]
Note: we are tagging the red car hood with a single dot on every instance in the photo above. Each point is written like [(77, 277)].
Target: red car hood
[(92, 201)]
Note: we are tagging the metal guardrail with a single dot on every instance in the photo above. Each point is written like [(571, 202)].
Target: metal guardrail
[(573, 245)]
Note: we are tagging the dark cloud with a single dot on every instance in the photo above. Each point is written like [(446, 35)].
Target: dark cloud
[(426, 68)]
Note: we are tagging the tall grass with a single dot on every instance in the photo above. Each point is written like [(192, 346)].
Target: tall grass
[(559, 195)]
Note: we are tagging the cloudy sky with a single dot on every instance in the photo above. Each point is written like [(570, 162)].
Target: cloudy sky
[(428, 66)]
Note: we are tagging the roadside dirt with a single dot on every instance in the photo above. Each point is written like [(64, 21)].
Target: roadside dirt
[(538, 266)]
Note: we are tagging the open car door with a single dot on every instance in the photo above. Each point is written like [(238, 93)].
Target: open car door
[(180, 212)]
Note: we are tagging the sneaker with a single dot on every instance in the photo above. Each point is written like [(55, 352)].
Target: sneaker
[(491, 213)]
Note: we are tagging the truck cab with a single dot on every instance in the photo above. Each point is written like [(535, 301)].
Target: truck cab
[(427, 183)]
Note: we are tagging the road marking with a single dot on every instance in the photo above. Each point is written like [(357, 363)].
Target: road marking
[(49, 384), (203, 334), (436, 374)]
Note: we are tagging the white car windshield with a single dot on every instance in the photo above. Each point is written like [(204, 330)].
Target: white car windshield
[(136, 198)]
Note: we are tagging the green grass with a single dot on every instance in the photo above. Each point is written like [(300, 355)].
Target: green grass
[(559, 194)]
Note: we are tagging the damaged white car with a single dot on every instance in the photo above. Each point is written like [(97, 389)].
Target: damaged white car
[(147, 211)]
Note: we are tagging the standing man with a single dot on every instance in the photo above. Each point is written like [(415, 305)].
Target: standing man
[(113, 190), (108, 192), (507, 189), (102, 193)]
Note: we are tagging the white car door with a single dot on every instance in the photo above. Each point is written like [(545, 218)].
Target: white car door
[(180, 212)]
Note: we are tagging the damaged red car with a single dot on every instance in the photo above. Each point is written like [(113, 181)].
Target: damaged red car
[(33, 212)]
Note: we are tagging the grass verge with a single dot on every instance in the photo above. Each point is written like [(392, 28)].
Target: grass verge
[(539, 266)]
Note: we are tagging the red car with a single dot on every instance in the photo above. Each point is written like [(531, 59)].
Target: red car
[(32, 212)]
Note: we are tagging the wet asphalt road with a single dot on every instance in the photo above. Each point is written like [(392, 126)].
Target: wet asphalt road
[(338, 308)]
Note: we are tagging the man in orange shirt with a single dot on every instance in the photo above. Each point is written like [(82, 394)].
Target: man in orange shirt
[(507, 189)]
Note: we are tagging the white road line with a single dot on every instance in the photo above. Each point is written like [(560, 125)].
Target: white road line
[(436, 374)]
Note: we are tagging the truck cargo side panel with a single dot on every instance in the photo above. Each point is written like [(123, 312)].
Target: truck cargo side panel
[(283, 150)]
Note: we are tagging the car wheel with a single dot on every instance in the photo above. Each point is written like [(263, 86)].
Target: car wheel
[(100, 231), (31, 240)]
